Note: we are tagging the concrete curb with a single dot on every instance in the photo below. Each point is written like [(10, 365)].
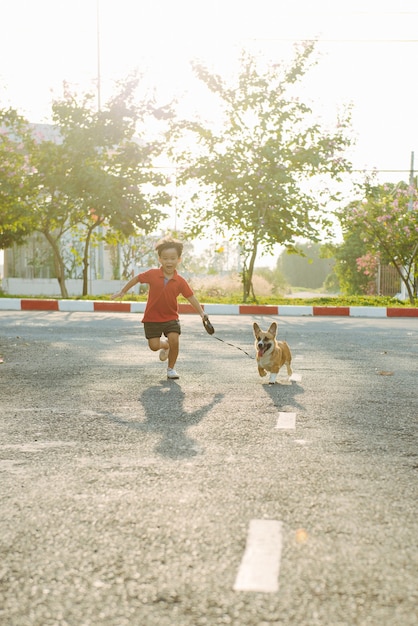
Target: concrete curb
[(104, 306)]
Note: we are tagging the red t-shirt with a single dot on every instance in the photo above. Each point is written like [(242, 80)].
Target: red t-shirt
[(162, 303)]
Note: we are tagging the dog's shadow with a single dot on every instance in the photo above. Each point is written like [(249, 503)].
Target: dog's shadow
[(283, 394), (165, 414)]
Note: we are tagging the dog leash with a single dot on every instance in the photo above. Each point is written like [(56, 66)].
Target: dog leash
[(211, 331), (234, 346)]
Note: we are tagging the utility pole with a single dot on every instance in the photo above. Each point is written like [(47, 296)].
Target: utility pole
[(99, 78), (410, 269), (411, 208), (411, 183), (100, 261)]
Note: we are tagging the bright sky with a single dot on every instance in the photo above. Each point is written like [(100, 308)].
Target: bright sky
[(368, 56)]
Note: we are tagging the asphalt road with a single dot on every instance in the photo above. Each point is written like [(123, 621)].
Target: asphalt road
[(126, 499)]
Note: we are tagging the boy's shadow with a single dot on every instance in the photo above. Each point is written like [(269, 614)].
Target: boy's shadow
[(165, 414)]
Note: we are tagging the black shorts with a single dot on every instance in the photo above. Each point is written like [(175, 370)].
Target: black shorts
[(156, 329)]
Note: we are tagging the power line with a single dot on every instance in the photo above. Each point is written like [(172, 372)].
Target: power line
[(380, 171), (319, 40), (364, 170)]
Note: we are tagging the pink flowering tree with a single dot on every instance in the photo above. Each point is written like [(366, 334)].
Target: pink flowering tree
[(368, 265), (387, 220)]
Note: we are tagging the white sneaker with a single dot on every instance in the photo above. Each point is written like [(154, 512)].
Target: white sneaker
[(172, 374), (164, 354)]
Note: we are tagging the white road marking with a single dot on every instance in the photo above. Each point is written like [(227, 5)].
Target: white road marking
[(36, 446), (286, 420), (33, 409), (260, 565)]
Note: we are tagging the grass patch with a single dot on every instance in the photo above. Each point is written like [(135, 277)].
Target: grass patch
[(204, 298), (338, 300)]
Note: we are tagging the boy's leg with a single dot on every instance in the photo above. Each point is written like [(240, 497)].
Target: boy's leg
[(158, 343), (153, 334), (173, 343)]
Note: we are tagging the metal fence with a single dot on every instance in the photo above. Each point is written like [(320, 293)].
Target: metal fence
[(388, 282)]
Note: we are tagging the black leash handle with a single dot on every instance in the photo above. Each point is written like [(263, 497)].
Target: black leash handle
[(208, 326)]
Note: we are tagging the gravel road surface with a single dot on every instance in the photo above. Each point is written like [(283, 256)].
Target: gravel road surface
[(127, 499)]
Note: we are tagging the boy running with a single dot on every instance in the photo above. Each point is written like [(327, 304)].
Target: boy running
[(161, 312)]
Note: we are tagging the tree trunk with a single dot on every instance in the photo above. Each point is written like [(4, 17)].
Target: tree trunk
[(58, 263), (247, 276), (405, 278), (86, 262), (409, 284)]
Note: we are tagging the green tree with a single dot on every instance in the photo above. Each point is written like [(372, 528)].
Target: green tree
[(15, 189), (98, 174), (252, 173), (346, 254), (53, 208), (276, 279), (387, 222), (129, 252), (308, 268)]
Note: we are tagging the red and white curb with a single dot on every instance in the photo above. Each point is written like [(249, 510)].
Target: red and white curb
[(105, 306)]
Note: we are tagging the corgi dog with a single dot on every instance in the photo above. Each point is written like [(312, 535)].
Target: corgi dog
[(271, 354)]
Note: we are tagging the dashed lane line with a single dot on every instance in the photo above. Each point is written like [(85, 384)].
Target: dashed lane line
[(286, 421), (260, 565)]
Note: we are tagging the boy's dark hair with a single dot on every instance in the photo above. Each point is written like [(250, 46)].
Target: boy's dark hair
[(169, 242)]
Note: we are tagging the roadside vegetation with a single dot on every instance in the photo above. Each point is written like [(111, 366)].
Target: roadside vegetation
[(372, 301), (218, 296)]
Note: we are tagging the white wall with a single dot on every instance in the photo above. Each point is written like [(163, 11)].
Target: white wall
[(50, 287)]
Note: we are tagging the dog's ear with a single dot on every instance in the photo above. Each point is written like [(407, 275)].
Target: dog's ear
[(273, 329), (256, 328)]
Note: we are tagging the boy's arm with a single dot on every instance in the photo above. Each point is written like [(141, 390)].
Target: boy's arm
[(206, 323), (125, 288), (196, 305)]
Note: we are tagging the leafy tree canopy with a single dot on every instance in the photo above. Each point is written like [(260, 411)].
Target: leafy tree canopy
[(16, 192), (97, 171), (306, 269), (108, 161), (346, 254), (253, 171)]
